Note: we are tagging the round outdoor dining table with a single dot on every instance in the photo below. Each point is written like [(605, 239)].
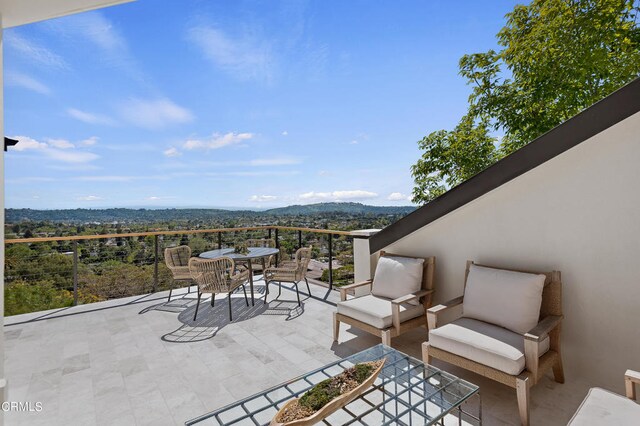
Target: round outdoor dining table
[(254, 253)]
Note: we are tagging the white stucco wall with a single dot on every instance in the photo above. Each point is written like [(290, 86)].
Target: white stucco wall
[(578, 213)]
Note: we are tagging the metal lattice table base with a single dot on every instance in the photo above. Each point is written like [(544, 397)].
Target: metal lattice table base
[(407, 392)]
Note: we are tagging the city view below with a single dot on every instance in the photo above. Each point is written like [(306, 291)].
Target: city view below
[(41, 275)]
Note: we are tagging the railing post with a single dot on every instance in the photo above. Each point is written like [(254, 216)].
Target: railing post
[(155, 264), (331, 261), (75, 272), (299, 239), (219, 240), (277, 246), (269, 233)]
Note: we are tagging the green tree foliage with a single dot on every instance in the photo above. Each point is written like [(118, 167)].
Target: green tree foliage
[(558, 57)]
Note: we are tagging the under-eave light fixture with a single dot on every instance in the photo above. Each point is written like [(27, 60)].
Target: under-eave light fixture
[(9, 142)]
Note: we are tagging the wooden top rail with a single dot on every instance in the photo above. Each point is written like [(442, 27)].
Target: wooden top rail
[(185, 231)]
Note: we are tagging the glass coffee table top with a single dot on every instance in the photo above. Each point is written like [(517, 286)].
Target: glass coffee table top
[(407, 392)]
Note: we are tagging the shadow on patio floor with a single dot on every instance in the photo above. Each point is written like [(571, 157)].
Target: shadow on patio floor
[(211, 319)]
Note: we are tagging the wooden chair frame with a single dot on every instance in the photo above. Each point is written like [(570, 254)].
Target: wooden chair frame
[(425, 295), (535, 367)]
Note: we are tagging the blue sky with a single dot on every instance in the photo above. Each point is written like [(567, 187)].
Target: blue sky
[(196, 103)]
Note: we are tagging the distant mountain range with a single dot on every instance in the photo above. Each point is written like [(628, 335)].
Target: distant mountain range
[(151, 215)]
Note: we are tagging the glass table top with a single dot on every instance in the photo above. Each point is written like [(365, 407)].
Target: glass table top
[(407, 392)]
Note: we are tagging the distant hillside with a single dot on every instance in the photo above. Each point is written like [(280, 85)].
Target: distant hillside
[(117, 215), (347, 208), (154, 215)]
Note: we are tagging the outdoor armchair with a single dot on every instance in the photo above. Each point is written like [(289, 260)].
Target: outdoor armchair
[(294, 272), (215, 276), (603, 408), (400, 292), (177, 260), (508, 331)]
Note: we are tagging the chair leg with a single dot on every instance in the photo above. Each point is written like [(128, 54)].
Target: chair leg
[(336, 327), (230, 315), (170, 290), (308, 289), (266, 293), (197, 305), (297, 293), (558, 370), (279, 289), (386, 337), (425, 353), (522, 390), (213, 299), (246, 299)]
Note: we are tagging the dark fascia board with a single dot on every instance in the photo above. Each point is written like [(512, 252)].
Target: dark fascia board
[(611, 110)]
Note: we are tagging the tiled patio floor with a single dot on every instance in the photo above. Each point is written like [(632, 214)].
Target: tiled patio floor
[(144, 361)]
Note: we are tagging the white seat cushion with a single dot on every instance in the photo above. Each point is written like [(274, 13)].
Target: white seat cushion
[(505, 298), (397, 276), (376, 311), (484, 343), (602, 407)]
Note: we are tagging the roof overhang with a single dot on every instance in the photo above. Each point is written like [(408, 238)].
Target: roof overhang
[(20, 12)]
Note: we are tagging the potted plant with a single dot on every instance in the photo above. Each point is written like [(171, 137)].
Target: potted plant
[(328, 396)]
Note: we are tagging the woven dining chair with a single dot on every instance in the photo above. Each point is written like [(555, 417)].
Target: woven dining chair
[(215, 276), (263, 242), (177, 260), (292, 272)]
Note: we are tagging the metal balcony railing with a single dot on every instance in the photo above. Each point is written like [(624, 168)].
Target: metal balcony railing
[(86, 268)]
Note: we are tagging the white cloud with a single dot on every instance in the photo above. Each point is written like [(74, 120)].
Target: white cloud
[(398, 196), (34, 52), (354, 142), (26, 82), (218, 141), (30, 179), (117, 178), (246, 58), (26, 143), (338, 195), (89, 118), (60, 143), (72, 156), (154, 113), (156, 198), (89, 198), (89, 141), (278, 161), (106, 40), (354, 195), (262, 198), (285, 133), (55, 149), (172, 152)]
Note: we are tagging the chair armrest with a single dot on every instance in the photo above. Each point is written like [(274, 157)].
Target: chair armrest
[(395, 305), (533, 338), (344, 289), (434, 311), (543, 328), (631, 378), (412, 296)]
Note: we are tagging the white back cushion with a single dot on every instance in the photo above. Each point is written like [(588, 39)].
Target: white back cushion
[(509, 299), (397, 276)]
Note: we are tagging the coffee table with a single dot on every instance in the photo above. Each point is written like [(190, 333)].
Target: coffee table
[(407, 392)]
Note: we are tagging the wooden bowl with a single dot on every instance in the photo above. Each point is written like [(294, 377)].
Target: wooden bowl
[(335, 404)]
